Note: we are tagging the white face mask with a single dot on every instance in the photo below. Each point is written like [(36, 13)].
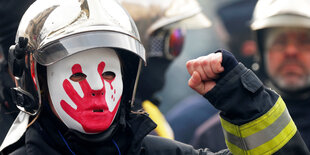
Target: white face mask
[(86, 89)]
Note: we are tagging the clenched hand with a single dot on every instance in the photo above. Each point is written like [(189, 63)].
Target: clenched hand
[(204, 70)]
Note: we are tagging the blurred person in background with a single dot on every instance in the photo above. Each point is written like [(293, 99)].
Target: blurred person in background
[(234, 16), (282, 29), (194, 45), (283, 37), (10, 12), (163, 27), (198, 42)]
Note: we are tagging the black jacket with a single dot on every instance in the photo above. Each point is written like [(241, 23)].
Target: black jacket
[(44, 138), (249, 113), (299, 110)]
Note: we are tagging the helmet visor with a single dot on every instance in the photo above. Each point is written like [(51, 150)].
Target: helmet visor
[(72, 44)]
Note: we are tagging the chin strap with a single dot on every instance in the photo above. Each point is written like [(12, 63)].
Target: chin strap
[(16, 131)]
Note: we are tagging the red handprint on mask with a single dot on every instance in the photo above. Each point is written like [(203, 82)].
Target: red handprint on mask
[(92, 110)]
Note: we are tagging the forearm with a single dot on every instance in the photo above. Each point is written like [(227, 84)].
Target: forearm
[(254, 118)]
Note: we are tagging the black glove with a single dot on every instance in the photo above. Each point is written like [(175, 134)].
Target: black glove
[(229, 61)]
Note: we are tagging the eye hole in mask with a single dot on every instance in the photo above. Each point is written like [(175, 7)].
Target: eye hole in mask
[(109, 76), (77, 77)]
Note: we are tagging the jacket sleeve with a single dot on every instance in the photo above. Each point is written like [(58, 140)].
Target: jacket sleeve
[(155, 145), (255, 119)]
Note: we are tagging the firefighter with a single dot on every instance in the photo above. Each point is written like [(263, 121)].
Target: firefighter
[(76, 64)]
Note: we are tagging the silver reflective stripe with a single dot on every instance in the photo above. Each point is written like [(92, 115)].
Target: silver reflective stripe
[(262, 136)]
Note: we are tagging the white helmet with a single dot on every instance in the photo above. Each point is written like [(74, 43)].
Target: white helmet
[(281, 13), (278, 13), (52, 30)]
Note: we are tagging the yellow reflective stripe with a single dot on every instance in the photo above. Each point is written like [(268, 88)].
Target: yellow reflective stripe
[(163, 129), (256, 125), (269, 147), (264, 135), (277, 142), (235, 149)]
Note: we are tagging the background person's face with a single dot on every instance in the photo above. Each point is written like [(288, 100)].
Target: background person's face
[(288, 59), (86, 89)]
